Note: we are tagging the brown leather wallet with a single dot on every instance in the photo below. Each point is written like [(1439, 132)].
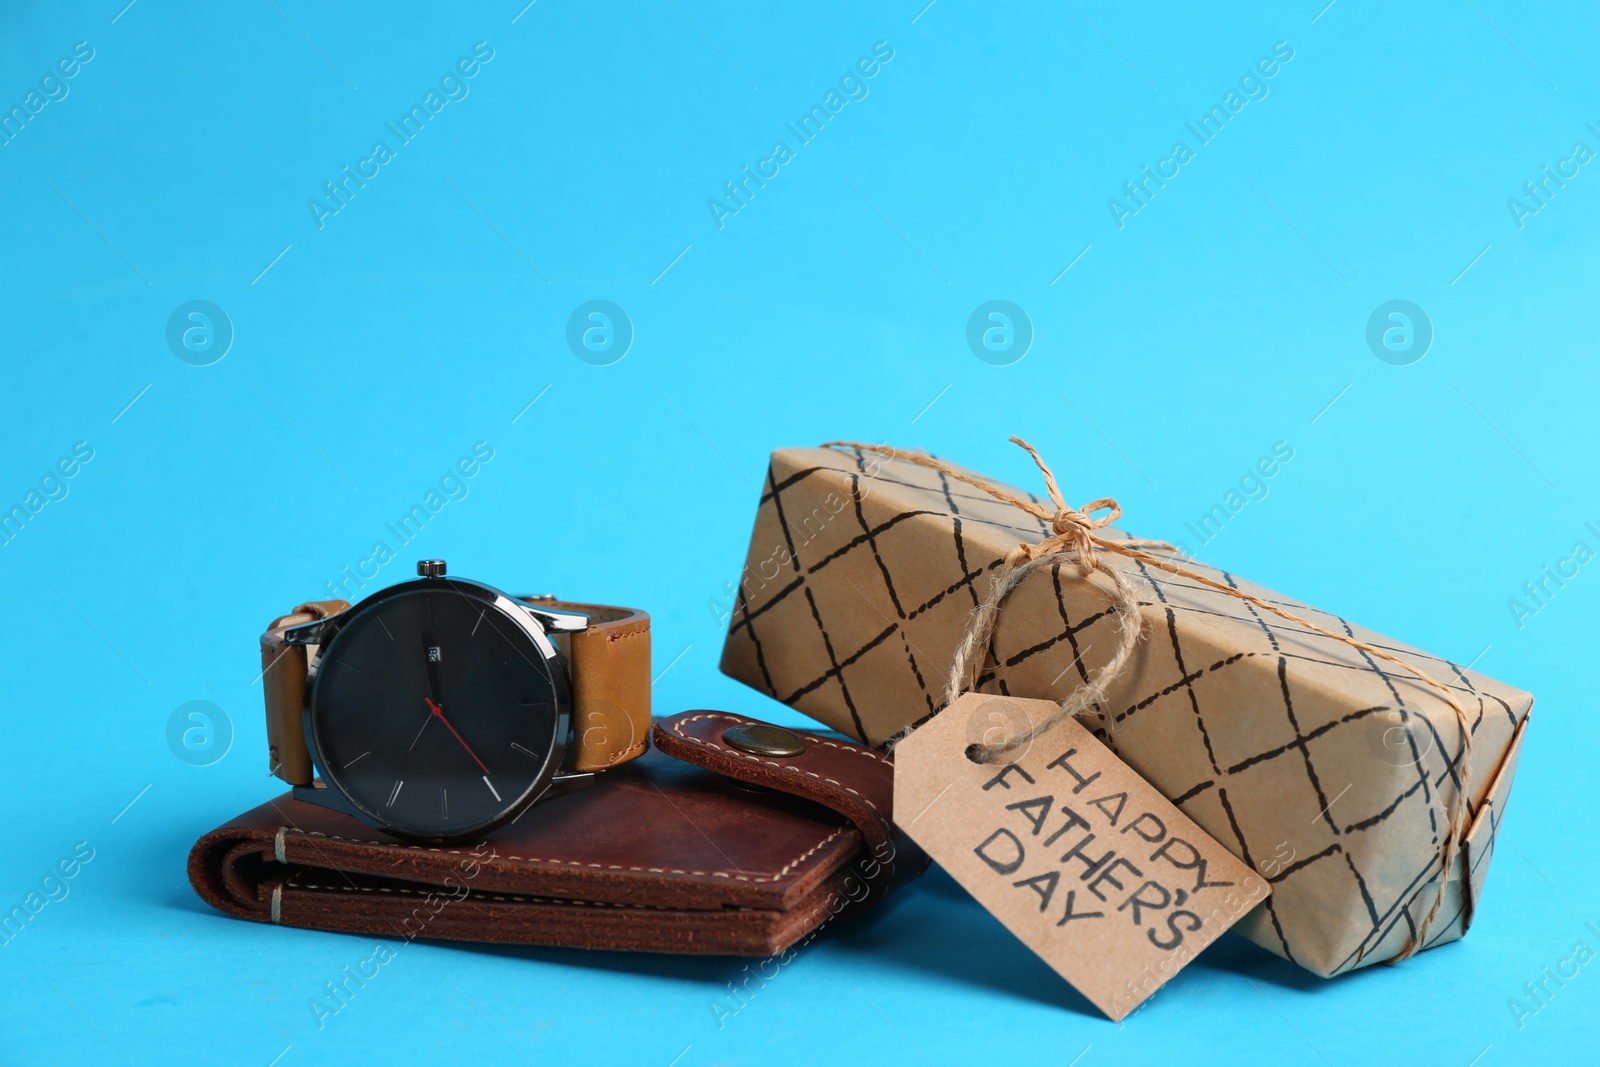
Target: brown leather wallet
[(698, 847)]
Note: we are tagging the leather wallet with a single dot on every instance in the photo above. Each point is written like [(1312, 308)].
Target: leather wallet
[(697, 847)]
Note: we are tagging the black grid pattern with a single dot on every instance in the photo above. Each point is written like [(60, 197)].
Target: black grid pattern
[(860, 577)]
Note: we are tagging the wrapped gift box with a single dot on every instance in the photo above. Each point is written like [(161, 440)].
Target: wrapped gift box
[(1327, 769)]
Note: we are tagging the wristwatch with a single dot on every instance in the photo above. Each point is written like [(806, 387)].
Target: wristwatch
[(439, 709)]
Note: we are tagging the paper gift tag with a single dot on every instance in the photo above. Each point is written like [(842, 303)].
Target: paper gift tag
[(1096, 871)]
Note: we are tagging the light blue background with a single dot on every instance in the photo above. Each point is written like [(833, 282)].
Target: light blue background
[(426, 315)]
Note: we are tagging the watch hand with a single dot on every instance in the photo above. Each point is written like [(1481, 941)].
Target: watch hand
[(438, 713), (433, 686), (426, 719)]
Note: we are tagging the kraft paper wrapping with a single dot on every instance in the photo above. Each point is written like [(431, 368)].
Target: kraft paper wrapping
[(1327, 770)]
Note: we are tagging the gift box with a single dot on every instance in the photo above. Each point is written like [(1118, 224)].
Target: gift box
[(1319, 753)]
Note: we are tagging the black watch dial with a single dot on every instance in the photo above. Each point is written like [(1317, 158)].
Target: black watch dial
[(434, 712)]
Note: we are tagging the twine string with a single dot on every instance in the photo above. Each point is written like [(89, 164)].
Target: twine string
[(1074, 536)]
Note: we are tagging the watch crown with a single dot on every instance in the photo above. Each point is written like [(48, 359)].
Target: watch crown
[(430, 568)]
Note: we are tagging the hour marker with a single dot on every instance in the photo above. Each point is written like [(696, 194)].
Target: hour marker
[(444, 804), (352, 666), (357, 760), (397, 784), (481, 614), (524, 751), (487, 783), (385, 627)]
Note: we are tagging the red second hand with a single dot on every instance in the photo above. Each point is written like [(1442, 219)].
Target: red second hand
[(439, 714)]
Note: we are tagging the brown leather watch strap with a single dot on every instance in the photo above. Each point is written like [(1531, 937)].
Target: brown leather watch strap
[(283, 683), (609, 664)]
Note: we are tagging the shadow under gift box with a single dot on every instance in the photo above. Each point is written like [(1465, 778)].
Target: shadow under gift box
[(1328, 770)]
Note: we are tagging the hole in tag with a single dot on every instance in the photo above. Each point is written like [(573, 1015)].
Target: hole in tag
[(991, 723)]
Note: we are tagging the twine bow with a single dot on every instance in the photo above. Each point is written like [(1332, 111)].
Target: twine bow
[(1073, 529), (1075, 535)]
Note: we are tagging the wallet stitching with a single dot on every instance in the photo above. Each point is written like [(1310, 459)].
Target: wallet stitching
[(855, 750), (480, 896), (677, 728), (785, 869)]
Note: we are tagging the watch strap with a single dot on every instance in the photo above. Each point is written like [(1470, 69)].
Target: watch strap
[(610, 669), (283, 685)]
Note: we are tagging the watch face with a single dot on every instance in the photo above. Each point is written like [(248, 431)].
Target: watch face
[(435, 712)]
